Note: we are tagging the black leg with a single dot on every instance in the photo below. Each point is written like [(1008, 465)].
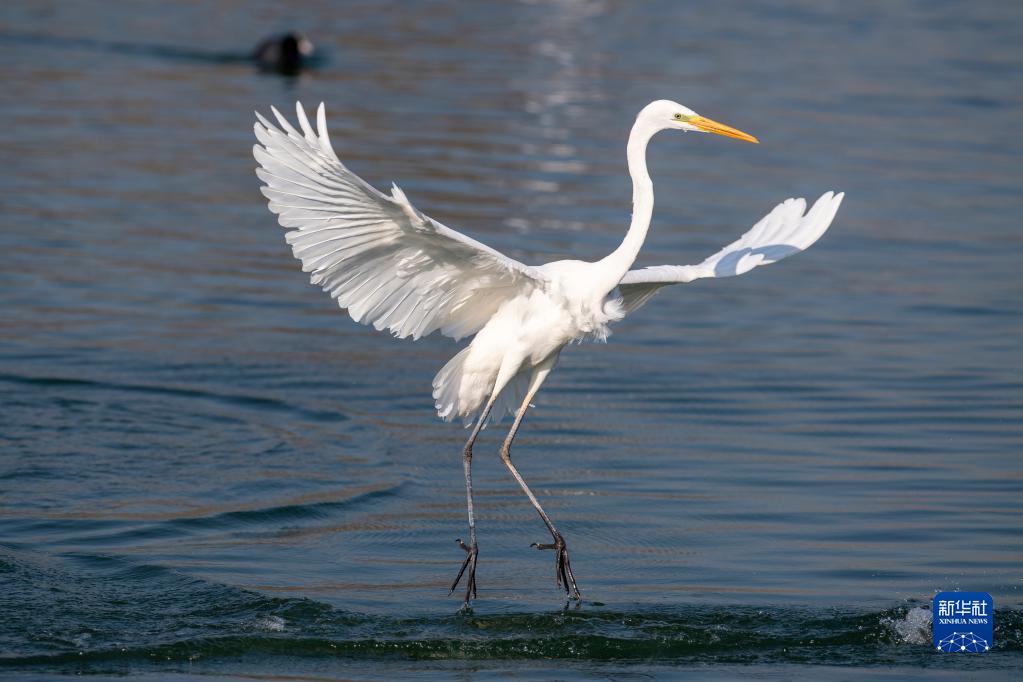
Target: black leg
[(562, 566), (471, 550)]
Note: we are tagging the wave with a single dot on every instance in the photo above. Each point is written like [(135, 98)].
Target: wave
[(89, 613), (112, 613), (734, 636)]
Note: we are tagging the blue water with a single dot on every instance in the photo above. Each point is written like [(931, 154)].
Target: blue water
[(207, 470)]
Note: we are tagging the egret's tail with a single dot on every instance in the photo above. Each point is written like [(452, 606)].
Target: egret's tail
[(447, 385), (458, 393)]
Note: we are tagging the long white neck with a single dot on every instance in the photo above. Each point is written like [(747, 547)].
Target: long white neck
[(614, 266)]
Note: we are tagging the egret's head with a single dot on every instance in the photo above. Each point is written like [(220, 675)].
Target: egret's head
[(667, 115)]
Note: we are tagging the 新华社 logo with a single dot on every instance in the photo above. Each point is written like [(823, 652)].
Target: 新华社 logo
[(964, 622)]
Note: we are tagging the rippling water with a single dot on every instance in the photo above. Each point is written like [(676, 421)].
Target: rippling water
[(207, 469)]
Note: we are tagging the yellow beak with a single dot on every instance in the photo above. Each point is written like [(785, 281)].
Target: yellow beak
[(711, 126)]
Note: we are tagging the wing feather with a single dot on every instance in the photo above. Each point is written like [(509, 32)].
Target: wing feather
[(382, 259), (781, 233)]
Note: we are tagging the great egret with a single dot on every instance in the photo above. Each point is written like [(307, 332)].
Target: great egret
[(393, 267)]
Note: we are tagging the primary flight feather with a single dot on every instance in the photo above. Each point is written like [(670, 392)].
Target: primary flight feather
[(392, 266)]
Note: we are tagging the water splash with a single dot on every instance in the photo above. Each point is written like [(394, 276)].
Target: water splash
[(271, 624), (912, 628)]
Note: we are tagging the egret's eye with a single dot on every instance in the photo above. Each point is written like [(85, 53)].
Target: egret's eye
[(678, 117)]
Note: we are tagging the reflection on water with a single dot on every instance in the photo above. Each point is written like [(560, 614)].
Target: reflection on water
[(195, 441)]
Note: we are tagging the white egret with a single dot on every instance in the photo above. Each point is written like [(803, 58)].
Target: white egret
[(393, 267)]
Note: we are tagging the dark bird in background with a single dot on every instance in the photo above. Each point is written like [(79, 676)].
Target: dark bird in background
[(287, 53)]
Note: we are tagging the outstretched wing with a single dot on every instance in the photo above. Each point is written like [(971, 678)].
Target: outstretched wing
[(383, 260), (781, 233)]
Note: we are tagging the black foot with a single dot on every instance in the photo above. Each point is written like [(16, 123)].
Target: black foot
[(562, 566), (470, 563)]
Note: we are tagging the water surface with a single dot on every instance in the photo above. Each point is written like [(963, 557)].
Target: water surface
[(207, 469)]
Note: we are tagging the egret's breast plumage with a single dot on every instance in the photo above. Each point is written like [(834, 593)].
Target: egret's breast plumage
[(524, 332)]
